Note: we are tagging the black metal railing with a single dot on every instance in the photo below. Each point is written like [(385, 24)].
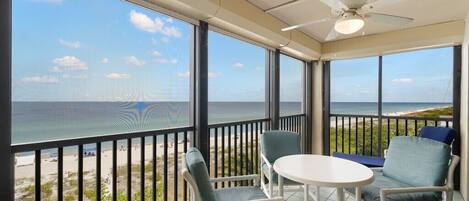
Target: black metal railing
[(155, 178), (294, 123), (139, 165), (234, 148), (366, 135)]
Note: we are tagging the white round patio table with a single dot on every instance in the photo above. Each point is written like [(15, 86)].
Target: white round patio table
[(323, 171)]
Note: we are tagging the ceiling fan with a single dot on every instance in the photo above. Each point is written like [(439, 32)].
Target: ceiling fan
[(350, 15)]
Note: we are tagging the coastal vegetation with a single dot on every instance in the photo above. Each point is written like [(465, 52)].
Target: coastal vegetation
[(358, 135)]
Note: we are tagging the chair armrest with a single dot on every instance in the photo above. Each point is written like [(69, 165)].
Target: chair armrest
[(387, 191), (270, 199), (266, 161), (235, 178), (377, 169)]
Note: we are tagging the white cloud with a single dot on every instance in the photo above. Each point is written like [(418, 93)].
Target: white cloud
[(55, 69), (169, 20), (70, 44), (184, 74), (104, 60), (132, 60), (238, 65), (156, 53), (214, 74), (166, 61), (402, 80), (145, 23), (42, 79), (80, 77), (117, 76), (68, 63)]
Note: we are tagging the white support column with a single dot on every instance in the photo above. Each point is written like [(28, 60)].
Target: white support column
[(316, 120)]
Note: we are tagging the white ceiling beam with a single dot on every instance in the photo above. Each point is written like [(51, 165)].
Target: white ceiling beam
[(283, 5)]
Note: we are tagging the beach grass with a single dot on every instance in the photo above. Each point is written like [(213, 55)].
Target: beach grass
[(360, 136)]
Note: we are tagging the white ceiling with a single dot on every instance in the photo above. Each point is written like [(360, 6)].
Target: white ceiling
[(424, 12)]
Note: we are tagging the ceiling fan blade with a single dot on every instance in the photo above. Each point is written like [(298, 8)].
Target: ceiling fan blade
[(335, 4), (356, 4), (306, 24), (388, 19), (332, 35)]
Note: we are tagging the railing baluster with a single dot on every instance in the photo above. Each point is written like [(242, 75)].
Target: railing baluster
[(251, 146), (216, 155), (229, 154), (349, 134), (257, 147), (336, 133), (37, 175), (436, 123), (363, 136), (343, 140), (142, 168), (98, 171), (114, 170), (154, 168), (184, 182), (389, 127), (80, 172), (129, 169), (223, 154), (446, 122), (176, 173), (60, 173), (246, 151), (371, 137), (425, 122), (405, 123), (165, 167), (236, 153), (397, 126), (356, 135), (415, 127)]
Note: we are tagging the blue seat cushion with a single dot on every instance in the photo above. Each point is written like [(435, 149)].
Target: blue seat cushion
[(275, 144), (372, 192), (445, 135), (417, 161), (369, 161), (198, 170), (239, 194)]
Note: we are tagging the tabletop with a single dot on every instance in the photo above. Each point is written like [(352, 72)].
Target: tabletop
[(327, 171)]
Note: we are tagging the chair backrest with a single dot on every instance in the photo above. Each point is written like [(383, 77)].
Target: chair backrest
[(445, 135), (275, 144), (417, 161), (197, 175)]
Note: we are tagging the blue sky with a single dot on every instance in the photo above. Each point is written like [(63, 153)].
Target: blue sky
[(417, 76), (73, 51)]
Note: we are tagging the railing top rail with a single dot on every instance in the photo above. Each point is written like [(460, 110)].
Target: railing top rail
[(26, 147), (234, 123), (394, 117), (293, 115), (354, 115)]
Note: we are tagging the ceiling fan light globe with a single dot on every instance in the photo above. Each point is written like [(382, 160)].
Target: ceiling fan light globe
[(349, 25)]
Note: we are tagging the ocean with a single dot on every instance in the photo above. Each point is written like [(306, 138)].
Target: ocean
[(41, 121)]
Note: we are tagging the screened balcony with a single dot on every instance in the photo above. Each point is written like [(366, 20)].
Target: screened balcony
[(102, 102)]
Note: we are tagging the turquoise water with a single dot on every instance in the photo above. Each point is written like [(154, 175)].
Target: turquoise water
[(39, 121)]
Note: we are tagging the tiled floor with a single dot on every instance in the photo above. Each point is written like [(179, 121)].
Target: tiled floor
[(329, 194)]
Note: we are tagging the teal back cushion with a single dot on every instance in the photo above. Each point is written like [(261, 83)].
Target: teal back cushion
[(196, 165), (417, 161), (275, 144)]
